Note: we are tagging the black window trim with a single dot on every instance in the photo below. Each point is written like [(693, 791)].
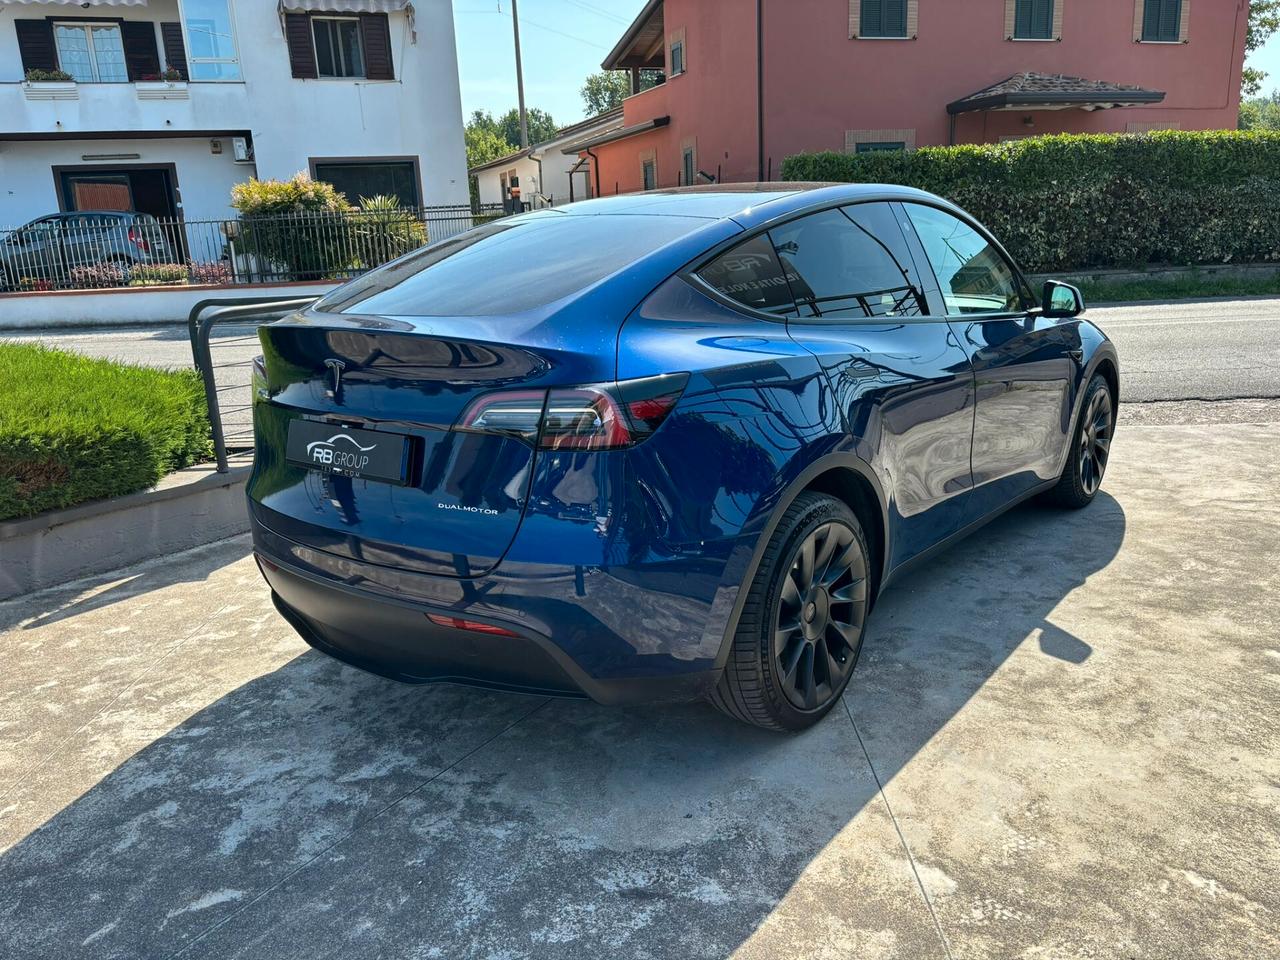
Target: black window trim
[(929, 282)]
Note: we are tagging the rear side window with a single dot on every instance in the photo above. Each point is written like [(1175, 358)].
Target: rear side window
[(750, 274), (849, 264), (507, 267)]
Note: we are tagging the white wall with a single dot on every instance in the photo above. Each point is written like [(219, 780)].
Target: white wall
[(28, 189), (419, 114), (489, 182)]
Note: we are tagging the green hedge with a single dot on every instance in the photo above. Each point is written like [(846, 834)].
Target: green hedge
[(73, 428), (1097, 200)]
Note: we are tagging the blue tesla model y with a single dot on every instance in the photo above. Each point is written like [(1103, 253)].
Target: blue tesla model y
[(662, 446)]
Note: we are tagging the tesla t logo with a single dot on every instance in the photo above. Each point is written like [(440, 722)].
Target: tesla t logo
[(349, 456), (335, 376)]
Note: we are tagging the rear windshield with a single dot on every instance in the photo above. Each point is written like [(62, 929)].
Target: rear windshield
[(509, 266)]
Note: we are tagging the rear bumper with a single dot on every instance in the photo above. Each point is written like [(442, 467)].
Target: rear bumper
[(394, 638)]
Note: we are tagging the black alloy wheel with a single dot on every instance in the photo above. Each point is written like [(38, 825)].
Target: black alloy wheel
[(819, 620)]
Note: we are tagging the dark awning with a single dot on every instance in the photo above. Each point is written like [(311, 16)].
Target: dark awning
[(622, 134), (1042, 91), (644, 43)]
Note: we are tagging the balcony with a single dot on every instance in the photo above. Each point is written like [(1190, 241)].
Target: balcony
[(62, 110)]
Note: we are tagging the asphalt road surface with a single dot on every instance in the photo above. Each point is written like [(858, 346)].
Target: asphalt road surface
[(1191, 350)]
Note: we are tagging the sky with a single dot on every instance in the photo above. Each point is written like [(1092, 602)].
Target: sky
[(564, 40), (561, 41)]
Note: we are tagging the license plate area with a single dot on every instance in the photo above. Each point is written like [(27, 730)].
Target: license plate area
[(349, 452)]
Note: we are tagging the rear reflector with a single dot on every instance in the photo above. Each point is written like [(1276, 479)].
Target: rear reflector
[(593, 417), (475, 626)]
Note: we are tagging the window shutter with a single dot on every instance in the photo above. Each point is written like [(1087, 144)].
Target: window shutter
[(35, 43), (175, 52), (1169, 16), (895, 17), (1161, 19), (376, 32), (1034, 20), (872, 18), (302, 52), (141, 55)]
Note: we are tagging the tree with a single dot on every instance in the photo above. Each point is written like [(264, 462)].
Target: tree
[(605, 91), (1261, 113), (541, 126), (485, 142), (1264, 20)]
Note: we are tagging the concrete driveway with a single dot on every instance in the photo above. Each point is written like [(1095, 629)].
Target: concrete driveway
[(1061, 742)]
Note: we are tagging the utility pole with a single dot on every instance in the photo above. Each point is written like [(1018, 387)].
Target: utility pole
[(524, 117)]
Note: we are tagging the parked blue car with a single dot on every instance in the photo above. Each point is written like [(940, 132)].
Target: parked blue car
[(662, 446)]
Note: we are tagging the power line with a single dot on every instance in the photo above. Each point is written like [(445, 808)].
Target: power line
[(525, 21), (598, 11)]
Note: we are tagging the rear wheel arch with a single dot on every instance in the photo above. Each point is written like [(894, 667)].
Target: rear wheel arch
[(849, 479)]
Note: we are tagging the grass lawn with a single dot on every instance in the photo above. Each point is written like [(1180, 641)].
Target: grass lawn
[(1183, 288), (74, 428)]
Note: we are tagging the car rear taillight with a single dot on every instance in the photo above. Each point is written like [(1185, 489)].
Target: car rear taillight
[(138, 240), (595, 417), (475, 626)]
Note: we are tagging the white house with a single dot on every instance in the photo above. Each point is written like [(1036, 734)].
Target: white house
[(543, 169), (361, 93)]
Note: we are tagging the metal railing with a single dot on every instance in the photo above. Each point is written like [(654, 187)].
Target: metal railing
[(84, 252), (232, 423)]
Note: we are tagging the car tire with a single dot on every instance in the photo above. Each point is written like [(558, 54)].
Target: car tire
[(802, 623), (1090, 448)]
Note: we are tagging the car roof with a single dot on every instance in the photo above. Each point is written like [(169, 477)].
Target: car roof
[(746, 203)]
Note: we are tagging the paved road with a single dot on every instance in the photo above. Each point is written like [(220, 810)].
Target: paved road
[(1209, 350), (1206, 350), (1060, 743)]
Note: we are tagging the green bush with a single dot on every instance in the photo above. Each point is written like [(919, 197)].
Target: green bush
[(74, 428), (299, 226), (157, 274), (383, 230), (1097, 200), (47, 76)]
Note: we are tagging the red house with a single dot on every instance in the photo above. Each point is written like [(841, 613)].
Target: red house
[(750, 82)]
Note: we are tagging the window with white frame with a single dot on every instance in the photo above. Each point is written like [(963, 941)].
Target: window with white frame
[(339, 46), (212, 53), (91, 52)]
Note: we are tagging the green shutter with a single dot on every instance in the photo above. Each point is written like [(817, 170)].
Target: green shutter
[(883, 18), (1162, 20), (1033, 20)]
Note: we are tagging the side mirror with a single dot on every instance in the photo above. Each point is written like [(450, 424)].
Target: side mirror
[(1061, 301)]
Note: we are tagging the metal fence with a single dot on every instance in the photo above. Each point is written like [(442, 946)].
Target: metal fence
[(80, 251)]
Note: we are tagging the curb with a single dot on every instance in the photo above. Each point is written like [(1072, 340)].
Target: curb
[(186, 509)]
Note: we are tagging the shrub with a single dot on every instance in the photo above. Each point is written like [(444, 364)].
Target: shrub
[(218, 271), (99, 275), (300, 225), (74, 428), (1097, 200), (47, 76), (384, 230), (156, 274)]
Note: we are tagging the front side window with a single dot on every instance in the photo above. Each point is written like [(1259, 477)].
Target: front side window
[(849, 264), (1162, 21), (211, 40), (91, 52), (1033, 20), (883, 18), (972, 274), (339, 46), (751, 274)]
